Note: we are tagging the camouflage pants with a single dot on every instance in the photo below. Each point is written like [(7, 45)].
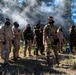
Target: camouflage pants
[(48, 49), (16, 48), (6, 49), (28, 47)]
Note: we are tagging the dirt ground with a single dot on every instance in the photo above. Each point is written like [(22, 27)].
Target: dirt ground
[(37, 65)]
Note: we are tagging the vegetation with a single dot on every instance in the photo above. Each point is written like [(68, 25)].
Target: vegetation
[(37, 65)]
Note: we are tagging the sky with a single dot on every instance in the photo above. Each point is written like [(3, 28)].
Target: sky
[(31, 13), (74, 12)]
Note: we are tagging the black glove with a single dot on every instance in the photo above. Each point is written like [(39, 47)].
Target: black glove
[(12, 41), (4, 42)]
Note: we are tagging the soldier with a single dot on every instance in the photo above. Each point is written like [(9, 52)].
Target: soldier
[(17, 36), (50, 40), (61, 38), (38, 36), (7, 41), (28, 37), (41, 41), (72, 33)]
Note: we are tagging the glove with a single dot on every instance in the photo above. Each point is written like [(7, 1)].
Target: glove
[(12, 41), (4, 42)]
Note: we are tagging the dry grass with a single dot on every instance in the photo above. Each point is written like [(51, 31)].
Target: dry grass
[(38, 65)]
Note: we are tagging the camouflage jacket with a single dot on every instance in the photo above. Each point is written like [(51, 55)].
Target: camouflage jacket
[(49, 33), (6, 32)]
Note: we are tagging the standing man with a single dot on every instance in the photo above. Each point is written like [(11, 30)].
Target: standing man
[(28, 37), (49, 39), (61, 38), (41, 41), (17, 36), (38, 36), (72, 33), (7, 41)]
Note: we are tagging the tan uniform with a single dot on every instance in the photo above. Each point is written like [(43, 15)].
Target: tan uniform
[(8, 37), (1, 38), (61, 38), (17, 37), (48, 38)]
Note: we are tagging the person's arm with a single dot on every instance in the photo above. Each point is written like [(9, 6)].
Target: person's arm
[(3, 35), (44, 35)]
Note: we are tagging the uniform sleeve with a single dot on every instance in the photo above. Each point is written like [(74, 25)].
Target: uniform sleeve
[(55, 30), (2, 34), (44, 30), (44, 34)]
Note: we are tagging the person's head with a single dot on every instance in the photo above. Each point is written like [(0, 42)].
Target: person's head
[(50, 18), (73, 26), (28, 27), (7, 23), (37, 25), (16, 24)]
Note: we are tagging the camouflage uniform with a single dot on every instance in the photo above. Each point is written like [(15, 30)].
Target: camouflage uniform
[(17, 36), (61, 38), (49, 41), (41, 41), (1, 39), (28, 37), (38, 36), (6, 41), (72, 33)]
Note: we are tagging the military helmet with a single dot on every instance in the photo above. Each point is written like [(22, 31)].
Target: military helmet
[(16, 24), (73, 26), (7, 22), (28, 25), (50, 17)]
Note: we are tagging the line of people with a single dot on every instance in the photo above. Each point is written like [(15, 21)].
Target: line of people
[(34, 37), (10, 35), (45, 39)]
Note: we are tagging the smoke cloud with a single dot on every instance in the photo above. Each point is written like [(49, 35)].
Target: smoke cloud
[(34, 11)]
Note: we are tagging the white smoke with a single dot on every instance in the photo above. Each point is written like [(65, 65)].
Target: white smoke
[(33, 12), (56, 10)]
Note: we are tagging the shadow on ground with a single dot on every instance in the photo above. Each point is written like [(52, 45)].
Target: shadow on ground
[(28, 67)]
